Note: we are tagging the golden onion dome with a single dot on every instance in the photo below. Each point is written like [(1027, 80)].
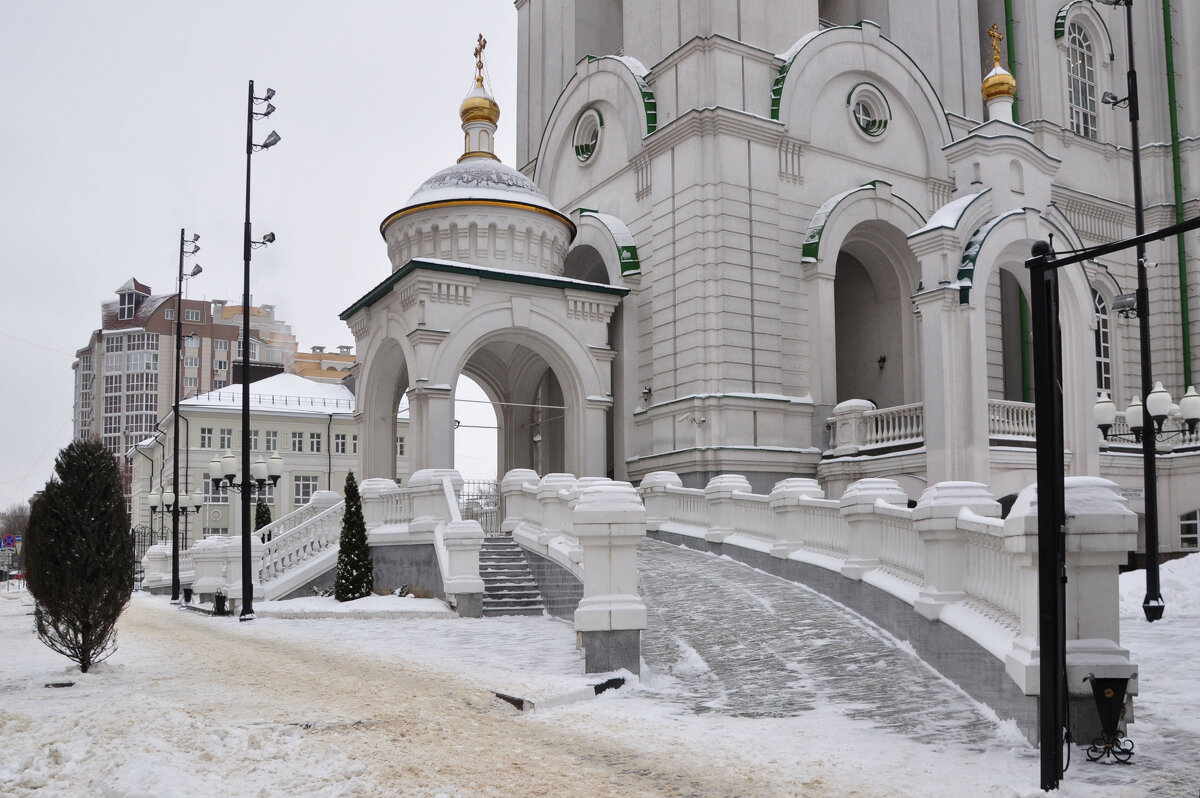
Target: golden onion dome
[(999, 83), (478, 106)]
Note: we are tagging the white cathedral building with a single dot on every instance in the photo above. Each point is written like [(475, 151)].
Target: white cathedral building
[(786, 238)]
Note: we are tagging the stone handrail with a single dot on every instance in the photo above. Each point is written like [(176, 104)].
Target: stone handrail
[(318, 531), (891, 425), (1011, 419)]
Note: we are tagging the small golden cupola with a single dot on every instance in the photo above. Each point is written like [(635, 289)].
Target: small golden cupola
[(999, 86), (480, 114)]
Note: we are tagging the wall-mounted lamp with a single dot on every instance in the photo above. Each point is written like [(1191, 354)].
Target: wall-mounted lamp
[(882, 360)]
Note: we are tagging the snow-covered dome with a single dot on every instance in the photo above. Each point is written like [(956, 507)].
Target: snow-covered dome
[(480, 179)]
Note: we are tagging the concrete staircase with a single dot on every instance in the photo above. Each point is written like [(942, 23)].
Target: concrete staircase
[(508, 584)]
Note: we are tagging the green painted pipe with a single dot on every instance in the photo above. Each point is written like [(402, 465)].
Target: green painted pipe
[(1177, 174), (1012, 59)]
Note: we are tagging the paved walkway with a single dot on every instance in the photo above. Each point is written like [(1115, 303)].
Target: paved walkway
[(736, 641), (793, 651)]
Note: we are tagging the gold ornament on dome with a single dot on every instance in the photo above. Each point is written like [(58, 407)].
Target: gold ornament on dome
[(479, 105), (999, 82)]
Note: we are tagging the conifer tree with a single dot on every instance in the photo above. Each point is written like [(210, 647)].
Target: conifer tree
[(262, 515), (355, 573), (80, 554)]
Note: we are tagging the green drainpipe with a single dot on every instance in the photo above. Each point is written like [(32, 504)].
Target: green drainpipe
[(1026, 348), (1012, 60), (1177, 173)]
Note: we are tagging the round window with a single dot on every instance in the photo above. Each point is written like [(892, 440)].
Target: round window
[(587, 134), (870, 110)]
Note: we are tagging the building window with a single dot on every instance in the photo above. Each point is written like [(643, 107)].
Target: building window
[(302, 489), (213, 531), (206, 437), (354, 444), (169, 314), (192, 341), (339, 443), (221, 345), (218, 496), (191, 361), (191, 315), (1103, 345), (272, 442), (399, 445), (314, 442), (226, 438), (128, 306), (220, 365), (191, 382), (297, 441), (1081, 81), (254, 440), (1189, 531), (217, 384)]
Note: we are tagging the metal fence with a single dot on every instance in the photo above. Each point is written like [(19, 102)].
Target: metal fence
[(480, 501)]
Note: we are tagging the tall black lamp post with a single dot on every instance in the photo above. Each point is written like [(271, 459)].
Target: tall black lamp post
[(187, 246), (248, 244), (1152, 604)]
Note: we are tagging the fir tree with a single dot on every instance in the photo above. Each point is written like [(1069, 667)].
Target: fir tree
[(80, 555), (262, 515), (355, 573)]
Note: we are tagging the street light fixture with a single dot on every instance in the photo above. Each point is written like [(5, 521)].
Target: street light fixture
[(187, 246), (1152, 604), (262, 472), (248, 244), (1158, 404)]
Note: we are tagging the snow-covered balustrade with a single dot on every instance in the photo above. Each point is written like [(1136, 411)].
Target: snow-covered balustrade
[(318, 533), (857, 424), (1008, 419), (156, 568), (951, 557)]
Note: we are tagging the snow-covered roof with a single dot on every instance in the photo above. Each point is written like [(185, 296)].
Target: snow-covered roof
[(480, 179), (282, 392)]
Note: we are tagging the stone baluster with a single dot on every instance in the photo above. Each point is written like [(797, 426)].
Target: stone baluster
[(865, 533), (375, 494), (609, 519)]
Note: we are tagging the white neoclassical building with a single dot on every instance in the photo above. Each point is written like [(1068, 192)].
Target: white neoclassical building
[(787, 238)]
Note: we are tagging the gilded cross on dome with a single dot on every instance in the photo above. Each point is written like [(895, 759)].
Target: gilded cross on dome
[(482, 43), (997, 37)]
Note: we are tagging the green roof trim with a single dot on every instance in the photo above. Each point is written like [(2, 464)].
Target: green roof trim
[(649, 104), (627, 253), (448, 267), (1060, 25), (966, 269), (816, 227)]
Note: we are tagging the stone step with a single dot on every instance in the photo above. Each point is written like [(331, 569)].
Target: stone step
[(509, 587)]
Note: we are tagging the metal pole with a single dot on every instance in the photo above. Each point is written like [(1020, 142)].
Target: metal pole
[(175, 442), (1047, 350), (247, 612), (1152, 604)]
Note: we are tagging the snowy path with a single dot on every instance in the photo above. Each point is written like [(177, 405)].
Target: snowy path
[(794, 650)]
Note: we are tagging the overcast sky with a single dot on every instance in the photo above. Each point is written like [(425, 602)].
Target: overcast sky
[(123, 122)]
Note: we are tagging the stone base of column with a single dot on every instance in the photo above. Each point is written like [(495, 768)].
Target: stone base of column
[(467, 605), (612, 650), (929, 603)]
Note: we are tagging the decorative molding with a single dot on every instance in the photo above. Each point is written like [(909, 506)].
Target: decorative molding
[(791, 154), (641, 171)]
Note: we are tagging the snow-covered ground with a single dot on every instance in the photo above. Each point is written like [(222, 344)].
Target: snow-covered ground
[(397, 699)]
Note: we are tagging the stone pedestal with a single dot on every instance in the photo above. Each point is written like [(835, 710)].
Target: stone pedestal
[(936, 521), (512, 497), (718, 494), (653, 490), (462, 583), (787, 498), (865, 538), (609, 519)]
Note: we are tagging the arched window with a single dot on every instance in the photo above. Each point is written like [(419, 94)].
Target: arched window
[(1081, 81), (1103, 345)]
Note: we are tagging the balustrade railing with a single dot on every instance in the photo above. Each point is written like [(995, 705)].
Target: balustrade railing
[(318, 531), (1011, 419), (900, 548), (992, 577), (755, 518), (892, 425)]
